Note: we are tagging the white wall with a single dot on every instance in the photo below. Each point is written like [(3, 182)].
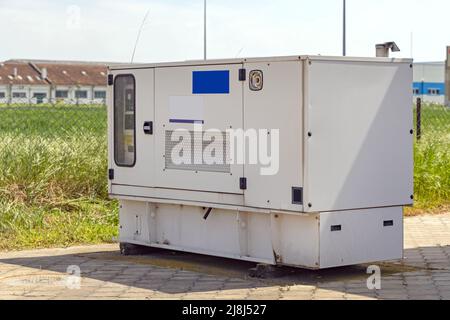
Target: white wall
[(432, 75), (20, 89), (50, 92), (4, 89), (100, 88), (433, 99), (429, 72)]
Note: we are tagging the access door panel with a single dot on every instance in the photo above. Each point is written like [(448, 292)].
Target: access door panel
[(131, 149), (273, 111), (359, 144), (195, 109)]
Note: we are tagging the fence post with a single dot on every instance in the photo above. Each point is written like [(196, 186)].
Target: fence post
[(419, 119)]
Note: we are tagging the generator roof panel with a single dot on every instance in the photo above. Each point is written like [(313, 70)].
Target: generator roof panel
[(252, 60)]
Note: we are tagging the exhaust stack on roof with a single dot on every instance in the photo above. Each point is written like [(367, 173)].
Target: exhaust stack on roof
[(44, 74), (383, 49)]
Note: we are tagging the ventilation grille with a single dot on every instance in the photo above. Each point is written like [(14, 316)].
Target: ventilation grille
[(190, 153)]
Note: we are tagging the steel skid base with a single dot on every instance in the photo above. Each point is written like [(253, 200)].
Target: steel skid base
[(128, 249), (312, 241)]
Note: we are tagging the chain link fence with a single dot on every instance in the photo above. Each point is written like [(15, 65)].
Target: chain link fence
[(54, 152), (50, 152), (432, 155), (432, 121)]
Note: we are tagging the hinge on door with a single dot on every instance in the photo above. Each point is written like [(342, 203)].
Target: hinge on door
[(111, 174), (243, 183), (110, 80), (242, 74)]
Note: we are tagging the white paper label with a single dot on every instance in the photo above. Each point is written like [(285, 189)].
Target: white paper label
[(186, 109)]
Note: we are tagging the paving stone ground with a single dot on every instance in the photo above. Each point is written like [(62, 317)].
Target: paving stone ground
[(104, 274)]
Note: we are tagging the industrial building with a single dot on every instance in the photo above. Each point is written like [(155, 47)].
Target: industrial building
[(37, 82), (74, 82), (432, 81), (429, 82)]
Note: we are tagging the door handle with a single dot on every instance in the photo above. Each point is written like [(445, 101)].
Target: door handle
[(148, 127)]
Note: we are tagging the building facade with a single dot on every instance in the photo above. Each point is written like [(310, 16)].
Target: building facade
[(429, 82), (38, 82)]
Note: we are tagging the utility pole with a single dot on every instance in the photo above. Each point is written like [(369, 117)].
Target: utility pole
[(447, 76), (204, 33), (344, 33)]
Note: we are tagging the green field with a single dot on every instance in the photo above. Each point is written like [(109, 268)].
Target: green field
[(53, 188), (432, 161), (53, 164)]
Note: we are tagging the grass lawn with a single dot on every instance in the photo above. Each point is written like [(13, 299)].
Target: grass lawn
[(432, 162), (53, 188), (53, 164)]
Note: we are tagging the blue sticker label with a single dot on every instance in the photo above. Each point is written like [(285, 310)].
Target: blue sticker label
[(211, 82)]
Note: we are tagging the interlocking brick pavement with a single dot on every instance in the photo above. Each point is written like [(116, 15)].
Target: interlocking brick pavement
[(42, 274)]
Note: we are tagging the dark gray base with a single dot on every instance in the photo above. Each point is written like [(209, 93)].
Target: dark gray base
[(264, 271), (128, 249)]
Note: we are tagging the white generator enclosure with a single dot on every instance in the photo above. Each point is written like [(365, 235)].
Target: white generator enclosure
[(299, 161)]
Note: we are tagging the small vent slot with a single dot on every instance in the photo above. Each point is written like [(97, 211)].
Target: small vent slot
[(297, 196), (388, 223), (336, 228)]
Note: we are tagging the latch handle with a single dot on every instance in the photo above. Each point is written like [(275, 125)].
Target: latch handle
[(148, 127)]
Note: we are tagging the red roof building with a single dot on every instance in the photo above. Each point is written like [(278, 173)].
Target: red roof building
[(37, 81)]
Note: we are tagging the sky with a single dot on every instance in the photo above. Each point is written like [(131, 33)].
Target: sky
[(106, 30)]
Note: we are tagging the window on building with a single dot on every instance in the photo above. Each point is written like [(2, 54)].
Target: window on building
[(19, 95), (61, 94), (100, 95), (416, 91), (40, 96), (81, 94), (434, 92), (2, 95)]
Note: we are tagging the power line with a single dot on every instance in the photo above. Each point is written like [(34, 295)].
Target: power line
[(139, 34)]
